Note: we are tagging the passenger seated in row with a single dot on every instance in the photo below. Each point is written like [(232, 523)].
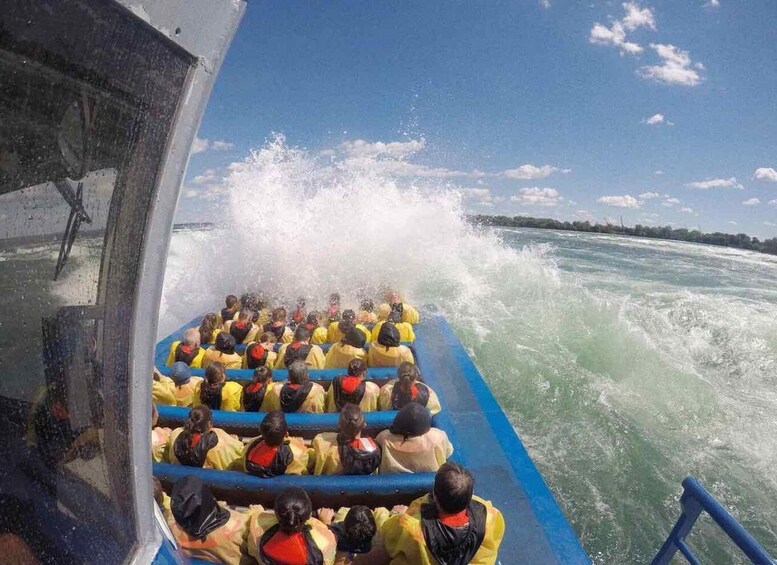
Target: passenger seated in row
[(299, 393), (346, 452), (262, 310), (351, 346), (450, 525), (184, 385), (332, 314), (162, 389), (356, 531), (353, 388), (228, 313), (406, 311), (274, 453), (187, 350), (224, 352), (412, 445), (278, 326), (336, 330), (260, 353), (255, 397), (289, 534), (216, 392), (366, 313), (406, 332), (388, 352), (160, 437), (209, 328), (203, 528), (300, 350), (199, 444), (406, 388), (242, 329), (298, 315), (318, 335)]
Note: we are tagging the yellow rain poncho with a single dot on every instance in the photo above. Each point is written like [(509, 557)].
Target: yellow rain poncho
[(230, 360), (262, 520), (227, 454), (380, 356), (340, 354), (334, 334), (184, 394), (424, 453), (196, 362), (384, 401), (226, 544), (160, 438), (162, 391), (231, 395), (314, 360), (313, 403), (368, 403)]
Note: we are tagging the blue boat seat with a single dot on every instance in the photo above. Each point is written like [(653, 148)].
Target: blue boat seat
[(331, 491)]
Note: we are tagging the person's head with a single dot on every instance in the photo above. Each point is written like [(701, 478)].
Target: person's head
[(279, 315), (245, 315), (273, 428), (208, 324), (359, 526), (345, 325), (354, 337), (195, 508), (225, 343), (154, 415), (298, 373), (159, 494), (199, 421), (383, 312), (262, 375), (412, 420), (215, 374), (453, 487), (231, 301), (268, 338), (388, 336), (394, 297), (367, 305), (351, 421), (248, 301), (407, 373), (261, 302), (191, 337), (302, 334), (394, 317), (334, 299), (357, 368), (293, 509), (180, 373), (301, 303), (349, 315), (314, 318)]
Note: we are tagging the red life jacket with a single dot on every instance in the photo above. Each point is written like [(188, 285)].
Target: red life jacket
[(359, 456), (239, 330), (296, 351), (186, 353), (256, 356), (418, 392), (266, 461), (253, 396), (348, 389), (278, 548)]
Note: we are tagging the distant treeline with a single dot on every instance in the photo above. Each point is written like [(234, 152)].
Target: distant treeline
[(740, 240)]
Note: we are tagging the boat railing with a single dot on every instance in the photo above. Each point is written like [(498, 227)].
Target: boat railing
[(693, 501)]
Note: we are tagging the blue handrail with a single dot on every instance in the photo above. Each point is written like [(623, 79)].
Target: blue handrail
[(694, 499)]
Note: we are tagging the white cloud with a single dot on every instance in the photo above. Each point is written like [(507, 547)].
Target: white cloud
[(199, 145), (649, 195), (532, 172), (715, 183), (772, 224), (545, 4), (221, 145), (191, 193), (713, 3), (751, 202), (659, 172), (637, 17), (654, 120), (535, 196), (686, 210), (615, 35), (732, 222), (765, 173), (676, 67), (773, 202), (208, 176), (669, 202), (625, 201), (392, 149)]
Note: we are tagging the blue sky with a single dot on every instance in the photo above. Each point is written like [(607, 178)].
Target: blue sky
[(659, 112)]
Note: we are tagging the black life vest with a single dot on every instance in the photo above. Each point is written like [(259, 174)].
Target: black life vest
[(240, 332), (342, 397), (348, 546), (451, 545), (296, 352), (253, 396), (313, 553), (355, 460), (253, 359), (186, 356), (400, 398), (194, 455), (278, 331), (211, 397), (293, 397), (275, 467)]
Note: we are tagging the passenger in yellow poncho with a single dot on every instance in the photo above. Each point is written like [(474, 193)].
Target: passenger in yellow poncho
[(216, 392), (350, 347), (290, 534), (298, 394), (336, 330), (274, 453), (300, 350), (255, 398), (203, 528), (449, 525), (223, 352), (261, 353), (346, 452), (357, 531), (184, 385), (162, 389), (209, 328), (278, 326), (396, 303), (366, 314), (353, 388), (318, 334), (388, 352), (242, 329), (199, 444), (160, 437), (412, 445), (188, 350), (407, 387), (231, 310)]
